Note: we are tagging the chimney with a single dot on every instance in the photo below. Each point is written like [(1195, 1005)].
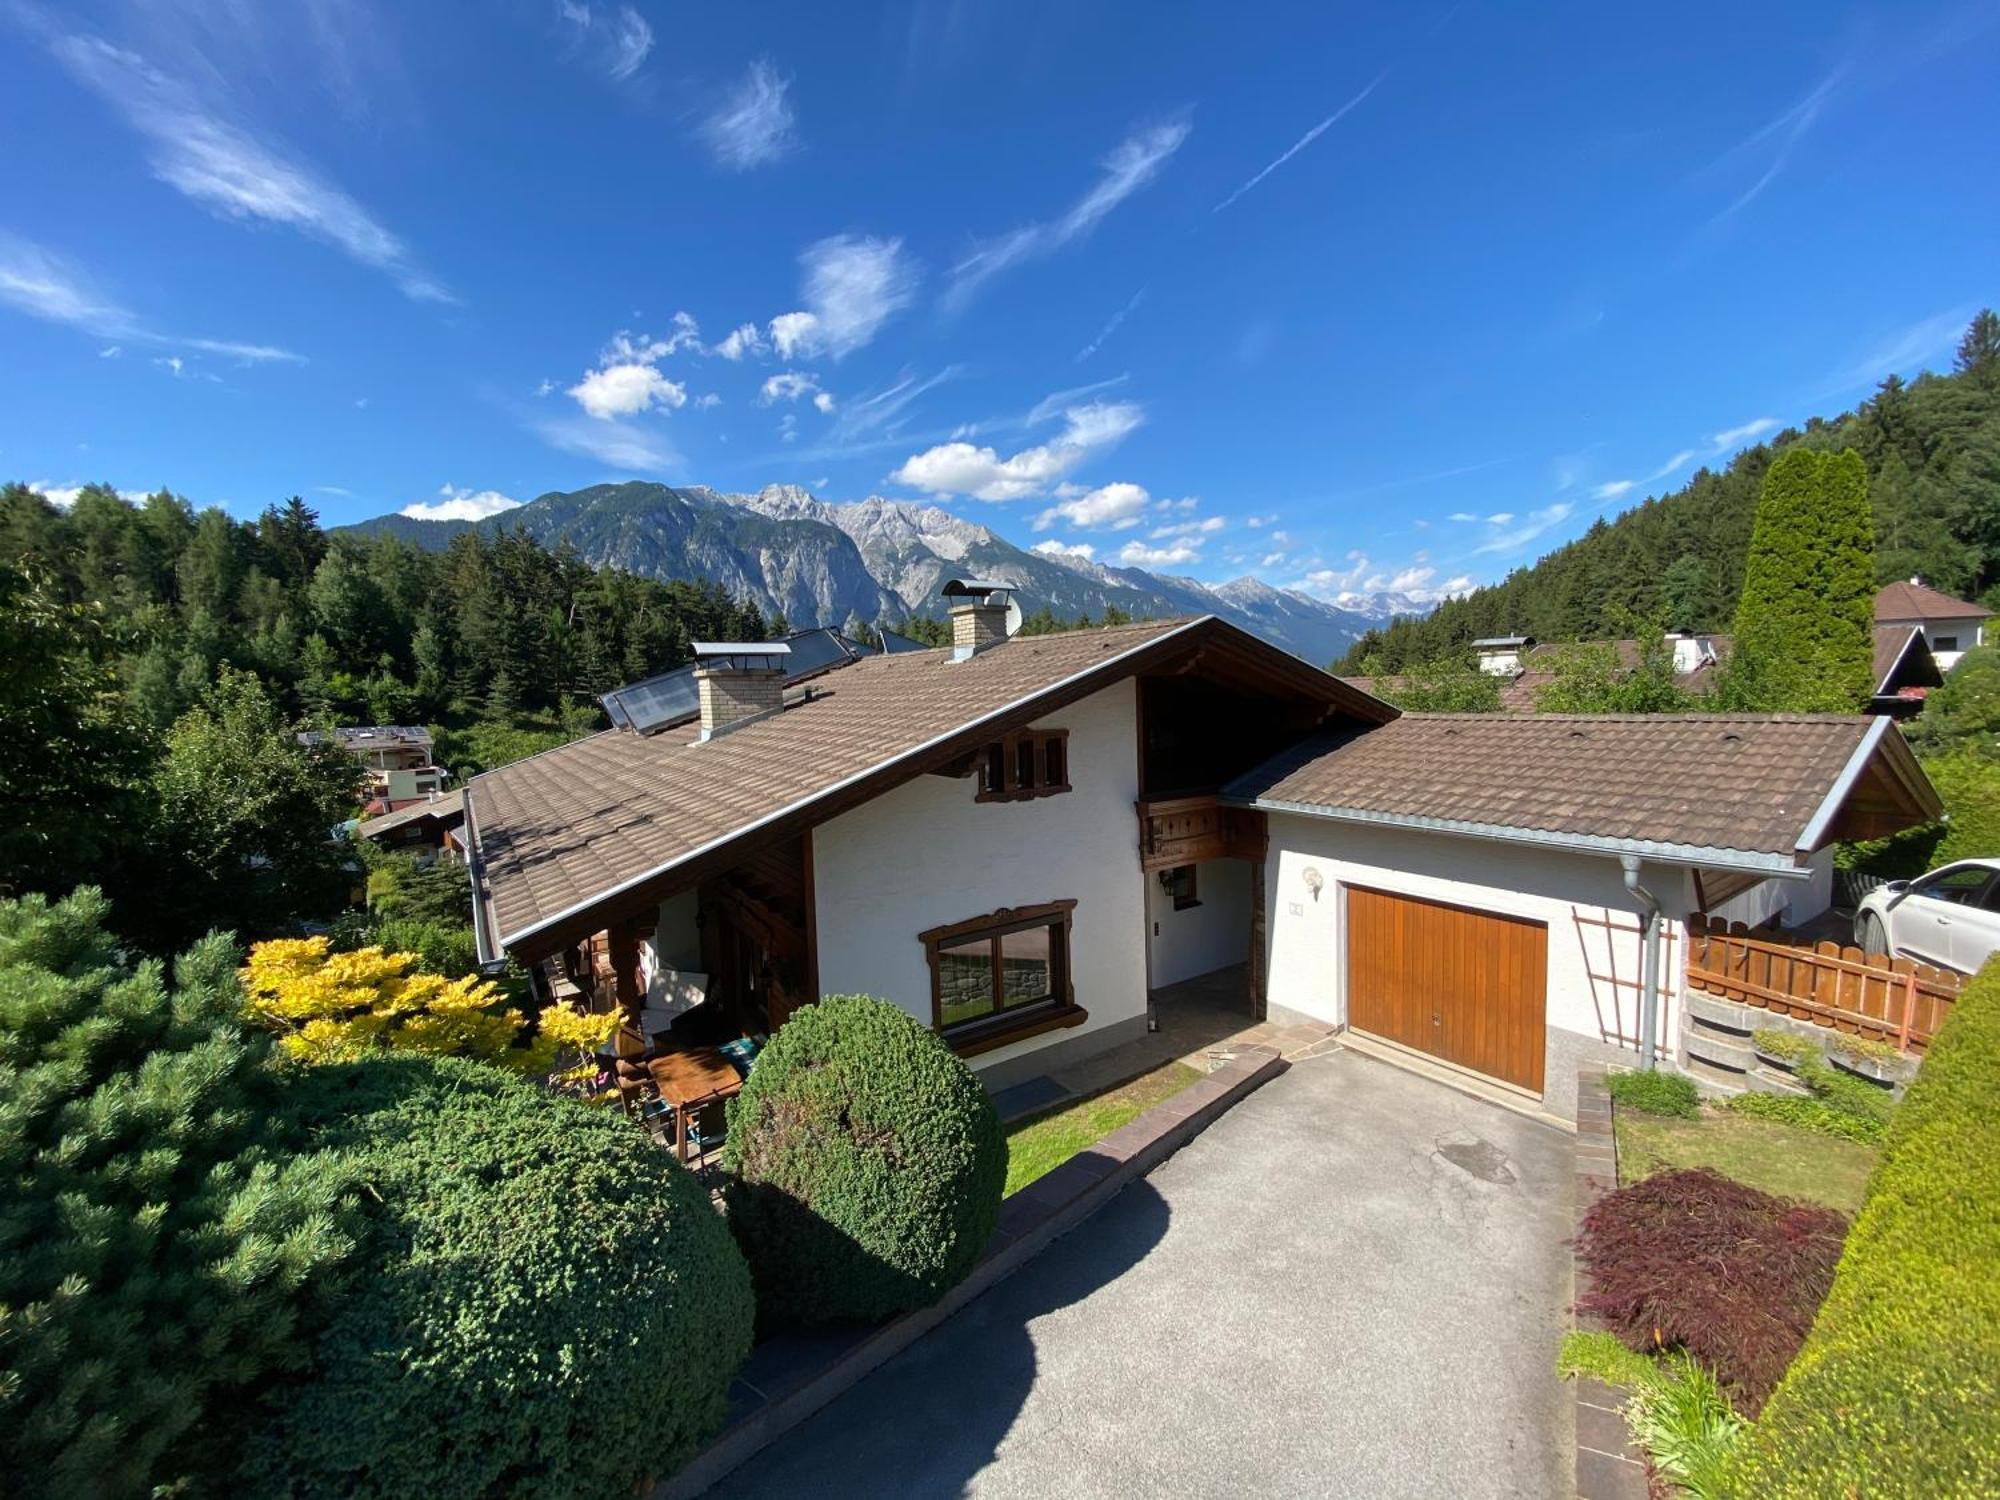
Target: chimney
[(980, 617), (737, 682)]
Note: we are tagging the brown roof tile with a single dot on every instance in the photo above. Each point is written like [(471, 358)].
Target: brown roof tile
[(575, 824), (1916, 601), (1743, 783)]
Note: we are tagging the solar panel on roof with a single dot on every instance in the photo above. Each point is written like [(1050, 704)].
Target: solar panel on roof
[(657, 702), (893, 643), (814, 649)]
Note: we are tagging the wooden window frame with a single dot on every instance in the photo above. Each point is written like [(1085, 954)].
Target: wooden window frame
[(1006, 755), (1184, 899), (1007, 1024)]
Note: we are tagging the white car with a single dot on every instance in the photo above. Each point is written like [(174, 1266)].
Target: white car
[(1950, 917)]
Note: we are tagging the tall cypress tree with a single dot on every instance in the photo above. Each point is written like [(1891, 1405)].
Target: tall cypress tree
[(1804, 621)]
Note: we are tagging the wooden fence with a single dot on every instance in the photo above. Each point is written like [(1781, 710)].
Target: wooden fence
[(1893, 1000)]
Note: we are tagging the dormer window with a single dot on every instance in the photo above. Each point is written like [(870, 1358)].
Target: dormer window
[(1029, 763)]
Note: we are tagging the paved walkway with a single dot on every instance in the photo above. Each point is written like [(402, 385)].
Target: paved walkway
[(1352, 1285)]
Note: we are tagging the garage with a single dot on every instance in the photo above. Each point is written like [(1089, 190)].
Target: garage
[(1467, 987)]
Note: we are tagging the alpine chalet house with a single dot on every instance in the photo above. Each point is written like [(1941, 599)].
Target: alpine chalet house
[(1023, 841)]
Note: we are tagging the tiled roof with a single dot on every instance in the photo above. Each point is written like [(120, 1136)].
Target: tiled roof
[(1726, 782), (446, 806), (562, 829), (1916, 601)]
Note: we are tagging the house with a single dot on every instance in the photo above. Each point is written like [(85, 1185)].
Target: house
[(397, 758), (674, 698), (1951, 627), (428, 829), (1501, 654), (1025, 842), (1904, 669)]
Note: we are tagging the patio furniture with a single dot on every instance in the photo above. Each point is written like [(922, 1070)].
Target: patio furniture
[(689, 1080)]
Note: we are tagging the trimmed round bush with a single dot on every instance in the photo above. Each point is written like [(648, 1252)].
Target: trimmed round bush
[(548, 1305), (866, 1164)]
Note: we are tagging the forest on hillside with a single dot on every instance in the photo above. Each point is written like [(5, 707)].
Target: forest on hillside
[(1932, 447)]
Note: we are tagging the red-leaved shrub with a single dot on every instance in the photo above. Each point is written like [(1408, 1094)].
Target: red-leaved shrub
[(1694, 1260)]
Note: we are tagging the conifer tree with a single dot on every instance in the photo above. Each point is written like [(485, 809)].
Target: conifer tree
[(1803, 641)]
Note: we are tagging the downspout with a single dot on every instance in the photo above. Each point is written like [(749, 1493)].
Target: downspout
[(1649, 982)]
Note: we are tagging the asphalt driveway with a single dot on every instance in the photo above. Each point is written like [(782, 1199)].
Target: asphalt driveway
[(1351, 1285)]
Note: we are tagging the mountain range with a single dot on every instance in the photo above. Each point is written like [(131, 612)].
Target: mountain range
[(876, 560)]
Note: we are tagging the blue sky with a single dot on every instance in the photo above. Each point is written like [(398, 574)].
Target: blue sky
[(1350, 297)]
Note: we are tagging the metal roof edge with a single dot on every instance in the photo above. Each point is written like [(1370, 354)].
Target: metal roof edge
[(1775, 866), (1814, 833), (483, 942), (508, 940)]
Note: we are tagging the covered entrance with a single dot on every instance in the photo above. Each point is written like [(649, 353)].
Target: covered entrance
[(1467, 987)]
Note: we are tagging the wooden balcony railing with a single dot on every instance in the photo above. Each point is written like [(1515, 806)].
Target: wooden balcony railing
[(1870, 995), (1188, 830)]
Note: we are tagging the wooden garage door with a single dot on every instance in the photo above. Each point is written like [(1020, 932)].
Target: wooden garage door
[(1466, 986)]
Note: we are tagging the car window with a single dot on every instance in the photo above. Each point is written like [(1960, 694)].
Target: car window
[(1964, 885), (1991, 900)]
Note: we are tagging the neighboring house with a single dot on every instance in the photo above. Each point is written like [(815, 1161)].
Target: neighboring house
[(1026, 842), (428, 829), (1951, 627), (674, 697), (397, 758), (1904, 669)]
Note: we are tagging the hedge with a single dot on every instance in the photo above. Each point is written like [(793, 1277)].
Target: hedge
[(866, 1165), (549, 1305), (1897, 1390)]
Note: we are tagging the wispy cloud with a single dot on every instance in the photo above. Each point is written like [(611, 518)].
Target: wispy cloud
[(960, 468), (46, 286), (795, 385), (1611, 489), (1133, 163), (1756, 427), (1515, 537), (1304, 141), (618, 39), (1057, 402), (853, 285), (458, 504), (754, 125), (221, 166), (1111, 327), (624, 446), (1901, 352), (1768, 150)]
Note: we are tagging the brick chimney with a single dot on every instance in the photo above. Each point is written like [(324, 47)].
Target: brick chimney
[(978, 615), (737, 683)]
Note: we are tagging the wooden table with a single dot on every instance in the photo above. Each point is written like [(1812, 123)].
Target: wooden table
[(689, 1080)]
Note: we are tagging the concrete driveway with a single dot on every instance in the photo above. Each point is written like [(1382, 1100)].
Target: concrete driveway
[(1353, 1284)]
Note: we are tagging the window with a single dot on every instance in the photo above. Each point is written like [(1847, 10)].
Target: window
[(1001, 976), (1962, 884), (1031, 763), (1179, 883), (1944, 643)]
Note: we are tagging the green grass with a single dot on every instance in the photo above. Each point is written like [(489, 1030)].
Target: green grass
[(1766, 1154), (1041, 1143)]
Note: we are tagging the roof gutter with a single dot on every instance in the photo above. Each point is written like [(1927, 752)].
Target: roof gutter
[(1767, 865), (490, 953), (612, 893), (1843, 785)]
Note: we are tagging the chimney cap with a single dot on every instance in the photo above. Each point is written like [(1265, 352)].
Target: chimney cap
[(711, 653), (978, 590)]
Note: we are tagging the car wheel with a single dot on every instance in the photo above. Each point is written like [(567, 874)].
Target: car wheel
[(1869, 934)]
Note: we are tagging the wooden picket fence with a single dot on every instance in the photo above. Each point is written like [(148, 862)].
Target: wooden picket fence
[(1892, 1000)]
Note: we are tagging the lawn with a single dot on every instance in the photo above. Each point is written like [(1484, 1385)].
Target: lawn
[(1043, 1142), (1764, 1154)]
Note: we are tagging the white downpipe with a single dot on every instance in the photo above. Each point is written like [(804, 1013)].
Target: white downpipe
[(1649, 979)]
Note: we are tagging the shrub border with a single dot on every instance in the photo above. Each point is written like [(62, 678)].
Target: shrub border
[(1609, 1465), (1047, 1208)]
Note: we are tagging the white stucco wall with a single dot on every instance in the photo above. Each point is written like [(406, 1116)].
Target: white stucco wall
[(1307, 958), (1204, 938), (1790, 902), (926, 854)]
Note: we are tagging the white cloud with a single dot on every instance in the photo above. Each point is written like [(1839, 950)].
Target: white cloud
[(1500, 518), (63, 496), (1902, 352), (741, 340), (1672, 464), (1773, 145), (706, 400), (460, 505), (1110, 507), (853, 285), (1461, 515), (1271, 559), (1133, 163), (1302, 142), (823, 400), (788, 428), (1352, 586), (1139, 555), (1111, 327), (221, 166), (1206, 527), (1075, 551), (44, 285), (622, 390), (1535, 523), (1057, 402), (1257, 523), (959, 468), (788, 386), (618, 40), (1611, 489), (620, 445), (547, 387), (754, 125), (1754, 428)]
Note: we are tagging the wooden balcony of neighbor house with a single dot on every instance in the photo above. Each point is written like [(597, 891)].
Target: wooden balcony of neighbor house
[(1187, 830)]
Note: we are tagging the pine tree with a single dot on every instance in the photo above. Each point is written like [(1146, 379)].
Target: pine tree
[(1979, 351), (1803, 641), (161, 1258)]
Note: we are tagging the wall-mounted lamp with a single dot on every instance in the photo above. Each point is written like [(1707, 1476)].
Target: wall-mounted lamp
[(1315, 882)]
